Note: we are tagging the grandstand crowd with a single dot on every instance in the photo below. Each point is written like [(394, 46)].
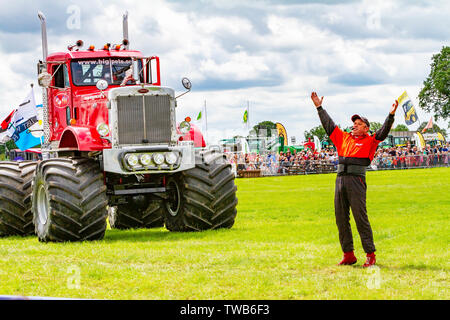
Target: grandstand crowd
[(326, 160)]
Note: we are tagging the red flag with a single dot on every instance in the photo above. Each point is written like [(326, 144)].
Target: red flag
[(429, 125), (7, 120)]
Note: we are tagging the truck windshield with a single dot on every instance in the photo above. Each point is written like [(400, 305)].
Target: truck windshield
[(87, 72)]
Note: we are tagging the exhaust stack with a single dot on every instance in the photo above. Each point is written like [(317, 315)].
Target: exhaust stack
[(125, 30), (44, 35)]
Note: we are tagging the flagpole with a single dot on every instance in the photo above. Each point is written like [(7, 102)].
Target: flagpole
[(248, 115), (206, 125), (6, 152)]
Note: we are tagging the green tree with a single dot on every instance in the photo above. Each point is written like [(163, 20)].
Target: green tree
[(319, 132), (400, 127), (374, 126), (435, 94), (269, 126), (435, 129), (2, 152), (5, 148)]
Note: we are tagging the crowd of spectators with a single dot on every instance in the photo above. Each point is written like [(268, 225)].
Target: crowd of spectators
[(273, 163), (411, 157), (307, 161)]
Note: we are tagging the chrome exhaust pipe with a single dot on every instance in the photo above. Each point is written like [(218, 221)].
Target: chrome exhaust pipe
[(46, 125), (44, 36), (125, 30)]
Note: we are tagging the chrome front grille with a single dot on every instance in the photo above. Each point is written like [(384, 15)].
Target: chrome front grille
[(144, 119)]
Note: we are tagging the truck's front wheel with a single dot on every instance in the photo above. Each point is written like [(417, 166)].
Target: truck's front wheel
[(69, 200), (203, 197)]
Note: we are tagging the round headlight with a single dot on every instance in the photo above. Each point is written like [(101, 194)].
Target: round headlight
[(158, 158), (185, 127), (145, 159), (171, 158), (102, 129), (132, 160)]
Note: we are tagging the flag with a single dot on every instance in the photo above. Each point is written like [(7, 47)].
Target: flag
[(245, 117), (408, 108), (282, 133), (429, 125), (22, 122), (5, 123), (202, 120), (317, 143)]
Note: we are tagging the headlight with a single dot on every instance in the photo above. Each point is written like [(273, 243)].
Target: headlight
[(158, 158), (102, 129), (171, 158), (146, 159), (132, 160), (185, 127)]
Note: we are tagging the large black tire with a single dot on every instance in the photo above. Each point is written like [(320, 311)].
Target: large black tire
[(69, 200), (15, 194), (28, 170), (203, 197), (131, 216)]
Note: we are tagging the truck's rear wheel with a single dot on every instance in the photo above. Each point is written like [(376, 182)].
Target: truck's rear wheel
[(15, 193), (69, 200), (203, 197), (131, 216)]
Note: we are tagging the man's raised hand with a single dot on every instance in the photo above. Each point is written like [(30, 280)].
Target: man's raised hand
[(394, 107), (316, 100)]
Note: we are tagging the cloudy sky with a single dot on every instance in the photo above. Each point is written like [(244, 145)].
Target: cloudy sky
[(359, 55)]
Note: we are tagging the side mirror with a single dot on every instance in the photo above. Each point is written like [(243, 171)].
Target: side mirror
[(186, 83), (45, 79), (41, 67), (135, 70), (152, 71)]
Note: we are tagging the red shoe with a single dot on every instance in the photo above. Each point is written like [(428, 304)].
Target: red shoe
[(349, 258), (370, 260)]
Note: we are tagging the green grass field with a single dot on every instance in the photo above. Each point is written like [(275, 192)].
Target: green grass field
[(284, 245)]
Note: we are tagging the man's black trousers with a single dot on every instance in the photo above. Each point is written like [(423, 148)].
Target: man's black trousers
[(350, 192)]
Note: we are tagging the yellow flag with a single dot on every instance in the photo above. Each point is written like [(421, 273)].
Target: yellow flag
[(408, 109), (282, 132)]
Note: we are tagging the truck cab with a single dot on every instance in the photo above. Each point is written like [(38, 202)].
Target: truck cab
[(76, 106)]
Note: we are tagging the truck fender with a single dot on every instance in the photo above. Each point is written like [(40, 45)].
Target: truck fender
[(82, 138), (193, 135)]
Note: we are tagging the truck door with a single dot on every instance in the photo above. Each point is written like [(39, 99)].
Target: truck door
[(60, 98)]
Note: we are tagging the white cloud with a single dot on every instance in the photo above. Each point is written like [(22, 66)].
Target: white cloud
[(239, 66)]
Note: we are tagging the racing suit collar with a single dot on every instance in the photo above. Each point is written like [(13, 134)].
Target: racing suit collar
[(364, 135)]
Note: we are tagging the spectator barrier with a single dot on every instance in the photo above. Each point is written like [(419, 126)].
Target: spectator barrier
[(255, 165)]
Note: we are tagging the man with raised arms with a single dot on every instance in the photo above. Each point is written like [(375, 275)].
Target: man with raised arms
[(356, 151)]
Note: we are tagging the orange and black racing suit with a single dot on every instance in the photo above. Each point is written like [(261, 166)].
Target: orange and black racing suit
[(355, 154)]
